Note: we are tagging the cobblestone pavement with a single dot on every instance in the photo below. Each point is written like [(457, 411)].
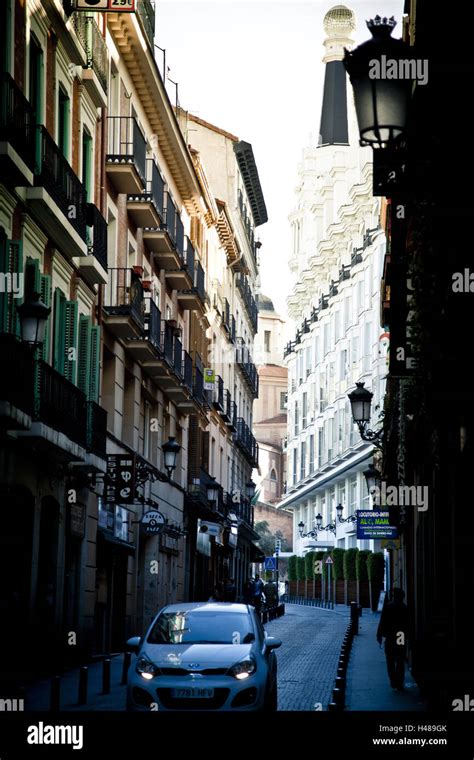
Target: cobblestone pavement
[(308, 657)]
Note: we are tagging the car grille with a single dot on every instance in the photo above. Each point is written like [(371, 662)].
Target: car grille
[(185, 672), (220, 696)]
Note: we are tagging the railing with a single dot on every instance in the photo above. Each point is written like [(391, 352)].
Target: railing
[(146, 14), (199, 281), (153, 324), (169, 344), (62, 183), (16, 373), (17, 122), (124, 295), (91, 39), (226, 315), (198, 379), (248, 368), (179, 236), (189, 258), (233, 328), (155, 186), (187, 371), (249, 301), (60, 404), (98, 246), (218, 393), (198, 492), (178, 357), (96, 429), (247, 441), (170, 218), (126, 144)]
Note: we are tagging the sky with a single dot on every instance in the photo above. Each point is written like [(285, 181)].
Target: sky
[(254, 68)]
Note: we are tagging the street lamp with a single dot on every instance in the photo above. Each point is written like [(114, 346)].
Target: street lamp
[(318, 528), (381, 103), (372, 478), (170, 450), (212, 491), (361, 400), (33, 315), (250, 489), (341, 519)]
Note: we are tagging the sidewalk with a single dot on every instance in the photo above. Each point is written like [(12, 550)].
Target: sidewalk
[(38, 695), (368, 687)]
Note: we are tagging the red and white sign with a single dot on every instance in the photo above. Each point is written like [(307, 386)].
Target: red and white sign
[(114, 6)]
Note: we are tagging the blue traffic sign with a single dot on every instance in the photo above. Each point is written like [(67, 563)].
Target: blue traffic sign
[(270, 563)]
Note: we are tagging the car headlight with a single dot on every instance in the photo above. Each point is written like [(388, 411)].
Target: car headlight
[(243, 669), (146, 668)]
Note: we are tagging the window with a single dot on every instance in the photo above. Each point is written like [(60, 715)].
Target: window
[(266, 340), (347, 313), (342, 365), (283, 401), (309, 364), (63, 123), (337, 325), (311, 453), (326, 338), (320, 447), (360, 295), (355, 355), (304, 415), (296, 419), (353, 495), (87, 172), (295, 465), (146, 429), (303, 460)]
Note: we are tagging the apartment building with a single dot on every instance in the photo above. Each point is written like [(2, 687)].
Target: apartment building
[(338, 251)]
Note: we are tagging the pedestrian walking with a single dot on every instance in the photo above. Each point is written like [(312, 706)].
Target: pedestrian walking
[(258, 592), (395, 627), (229, 590)]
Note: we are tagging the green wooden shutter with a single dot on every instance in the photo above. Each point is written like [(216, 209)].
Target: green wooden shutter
[(45, 294), (32, 277), (95, 365), (11, 265), (84, 354), (58, 349), (70, 340)]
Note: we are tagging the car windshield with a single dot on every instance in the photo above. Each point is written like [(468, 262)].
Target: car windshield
[(193, 627)]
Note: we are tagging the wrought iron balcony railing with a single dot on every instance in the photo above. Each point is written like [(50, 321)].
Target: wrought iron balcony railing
[(126, 144), (60, 404), (57, 177), (97, 234), (96, 429), (246, 441), (93, 43), (146, 14), (16, 373), (17, 122), (124, 295)]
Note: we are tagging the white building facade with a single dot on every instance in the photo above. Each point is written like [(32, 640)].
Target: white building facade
[(338, 251)]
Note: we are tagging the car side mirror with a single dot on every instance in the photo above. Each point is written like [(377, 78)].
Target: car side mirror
[(133, 644), (272, 643)]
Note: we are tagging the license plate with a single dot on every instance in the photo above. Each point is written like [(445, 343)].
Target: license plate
[(192, 693)]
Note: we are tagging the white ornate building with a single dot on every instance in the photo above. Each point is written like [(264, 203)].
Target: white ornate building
[(338, 250)]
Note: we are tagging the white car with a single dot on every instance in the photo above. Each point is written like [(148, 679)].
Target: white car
[(204, 656)]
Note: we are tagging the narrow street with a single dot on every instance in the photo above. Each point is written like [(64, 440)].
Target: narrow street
[(307, 659), (307, 664)]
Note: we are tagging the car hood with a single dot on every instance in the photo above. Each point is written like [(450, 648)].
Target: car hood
[(203, 655)]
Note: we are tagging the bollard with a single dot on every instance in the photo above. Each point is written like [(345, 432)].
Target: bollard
[(127, 658), (338, 697), (82, 695), (106, 677), (340, 683), (334, 707), (355, 617), (341, 673), (55, 694)]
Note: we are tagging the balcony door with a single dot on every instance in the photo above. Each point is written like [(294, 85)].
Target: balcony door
[(36, 80)]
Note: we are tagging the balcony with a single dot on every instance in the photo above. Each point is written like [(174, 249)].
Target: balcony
[(248, 300), (124, 304), (60, 405), (58, 196), (146, 208), (17, 134), (93, 266), (229, 410), (246, 442), (95, 71), (126, 155), (16, 384), (182, 279), (146, 14), (195, 296), (166, 243), (246, 366)]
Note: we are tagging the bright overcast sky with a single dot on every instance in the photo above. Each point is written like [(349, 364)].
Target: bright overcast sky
[(254, 68)]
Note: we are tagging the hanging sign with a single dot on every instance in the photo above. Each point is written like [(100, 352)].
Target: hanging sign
[(152, 522), (114, 6)]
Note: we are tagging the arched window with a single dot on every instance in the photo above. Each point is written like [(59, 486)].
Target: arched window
[(273, 475)]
